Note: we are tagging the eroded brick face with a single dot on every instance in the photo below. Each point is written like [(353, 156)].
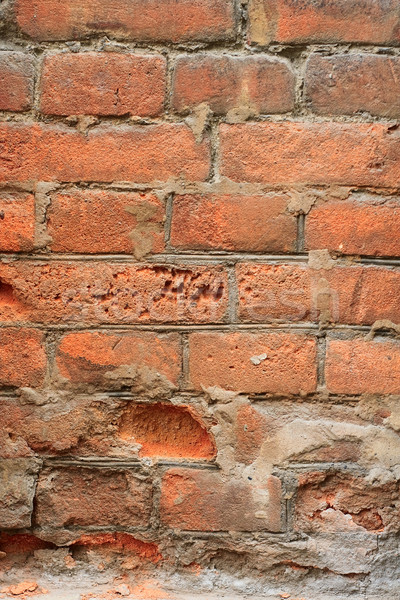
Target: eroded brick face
[(199, 298)]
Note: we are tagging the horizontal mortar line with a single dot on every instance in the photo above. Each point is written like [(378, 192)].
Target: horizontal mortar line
[(198, 259), (111, 462), (350, 466), (170, 327)]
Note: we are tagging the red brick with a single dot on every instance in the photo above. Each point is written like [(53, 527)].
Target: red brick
[(164, 430), (16, 81), (270, 293), (103, 83), (152, 21), (252, 429), (107, 153), (368, 21), (87, 426), (313, 153), (87, 496), (103, 221), (224, 360), (356, 295), (86, 357), (363, 367), (112, 293), (201, 501), (352, 83), (259, 83), (232, 222), (363, 226), (334, 502), (116, 543), (22, 355), (17, 222)]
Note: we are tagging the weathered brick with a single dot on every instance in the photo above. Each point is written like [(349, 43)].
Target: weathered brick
[(334, 502), (356, 295), (201, 501), (87, 357), (107, 153), (17, 489), (118, 544), (88, 496), (91, 358), (224, 360), (16, 81), (165, 430), (313, 153), (152, 21), (269, 293), (103, 83), (368, 21), (352, 83), (22, 355), (363, 367), (17, 225), (233, 222), (112, 293), (257, 84), (360, 225), (87, 426), (104, 221)]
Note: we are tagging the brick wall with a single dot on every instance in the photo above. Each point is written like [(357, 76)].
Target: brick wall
[(199, 292)]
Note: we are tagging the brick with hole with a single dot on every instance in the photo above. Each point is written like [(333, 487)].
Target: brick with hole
[(23, 359), (328, 21), (257, 363), (232, 84), (362, 225), (112, 292), (152, 21), (17, 222), (348, 84), (103, 83), (75, 496), (105, 221), (142, 154), (202, 501), (165, 430), (109, 545), (363, 366), (233, 223), (148, 361), (311, 153), (335, 501), (16, 81)]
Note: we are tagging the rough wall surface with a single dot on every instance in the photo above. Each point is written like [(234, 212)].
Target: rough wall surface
[(199, 295)]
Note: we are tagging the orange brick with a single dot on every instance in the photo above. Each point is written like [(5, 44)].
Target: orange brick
[(88, 496), (224, 360), (368, 21), (86, 357), (22, 356), (103, 83), (201, 501), (260, 83), (313, 153), (107, 153), (112, 293), (270, 293), (152, 21), (17, 222), (350, 83), (365, 226), (363, 367), (16, 81), (231, 222), (99, 221)]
